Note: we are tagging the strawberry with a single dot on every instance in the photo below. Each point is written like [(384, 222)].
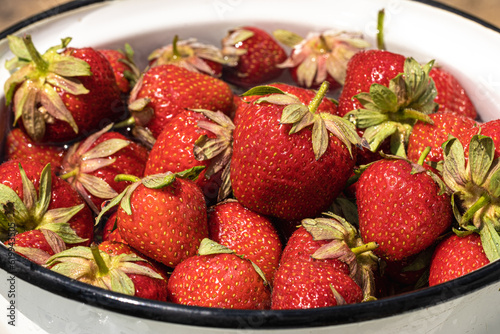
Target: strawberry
[(59, 97), (306, 284), (472, 182), (18, 145), (298, 167), (192, 55), (401, 207), (165, 90), (217, 277), (110, 230), (451, 95), (91, 166), (456, 256), (111, 266), (247, 233), (123, 65), (175, 149), (320, 56), (163, 216), (34, 198), (390, 106), (435, 134), (258, 55)]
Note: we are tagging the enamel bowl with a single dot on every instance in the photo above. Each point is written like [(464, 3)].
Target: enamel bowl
[(40, 301)]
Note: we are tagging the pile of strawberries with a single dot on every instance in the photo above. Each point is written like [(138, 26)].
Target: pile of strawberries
[(204, 180)]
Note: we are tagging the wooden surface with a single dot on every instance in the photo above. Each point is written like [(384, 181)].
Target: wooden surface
[(13, 11)]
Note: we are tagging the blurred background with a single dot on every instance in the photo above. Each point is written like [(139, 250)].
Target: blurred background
[(13, 11)]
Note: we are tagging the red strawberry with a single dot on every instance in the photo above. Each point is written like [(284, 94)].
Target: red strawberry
[(91, 166), (320, 56), (247, 233), (58, 97), (175, 151), (258, 55), (290, 173), (218, 278), (456, 256), (111, 266), (385, 107), (163, 216), (451, 95), (166, 90), (302, 285), (123, 65), (434, 135), (34, 198), (192, 55), (19, 146), (401, 207), (110, 230), (364, 69), (472, 182)]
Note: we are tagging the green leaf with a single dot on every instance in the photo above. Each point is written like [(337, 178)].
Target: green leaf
[(68, 66), (320, 138), (12, 206), (293, 113), (325, 228), (111, 204), (481, 155), (376, 135), (70, 85), (191, 173), (158, 181), (288, 38), (29, 192), (263, 90), (279, 99), (56, 108), (18, 48), (44, 191), (385, 99), (106, 148), (64, 230), (365, 118), (125, 202), (209, 247), (121, 283), (454, 174), (96, 186), (490, 240)]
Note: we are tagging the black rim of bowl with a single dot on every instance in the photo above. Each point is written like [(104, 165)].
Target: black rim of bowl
[(240, 319)]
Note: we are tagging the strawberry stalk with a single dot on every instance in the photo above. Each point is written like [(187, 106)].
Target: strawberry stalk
[(364, 248), (36, 57), (175, 51), (380, 30), (481, 202), (101, 264), (315, 102)]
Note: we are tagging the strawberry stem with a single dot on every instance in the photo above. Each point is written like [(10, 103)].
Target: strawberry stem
[(314, 104), (126, 177), (103, 268), (40, 64), (380, 30), (484, 200), (364, 248), (175, 51), (424, 155), (70, 174), (126, 123)]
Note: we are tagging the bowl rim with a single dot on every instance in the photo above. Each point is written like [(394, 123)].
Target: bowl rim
[(226, 318)]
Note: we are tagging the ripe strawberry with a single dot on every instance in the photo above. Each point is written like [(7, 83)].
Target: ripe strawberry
[(34, 198), (111, 266), (451, 95), (434, 135), (320, 56), (401, 207), (311, 284), (19, 146), (247, 233), (163, 216), (110, 230), (165, 90), (298, 167), (390, 106), (473, 185), (192, 55), (490, 129), (123, 65), (218, 278), (90, 166), (59, 97), (364, 69), (456, 256), (175, 150), (258, 55)]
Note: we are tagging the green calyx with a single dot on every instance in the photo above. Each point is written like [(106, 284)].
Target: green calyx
[(392, 111), (32, 211), (345, 244), (301, 116), (156, 181), (31, 87), (210, 247), (96, 267), (475, 189)]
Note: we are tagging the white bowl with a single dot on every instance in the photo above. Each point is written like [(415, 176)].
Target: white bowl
[(46, 302)]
